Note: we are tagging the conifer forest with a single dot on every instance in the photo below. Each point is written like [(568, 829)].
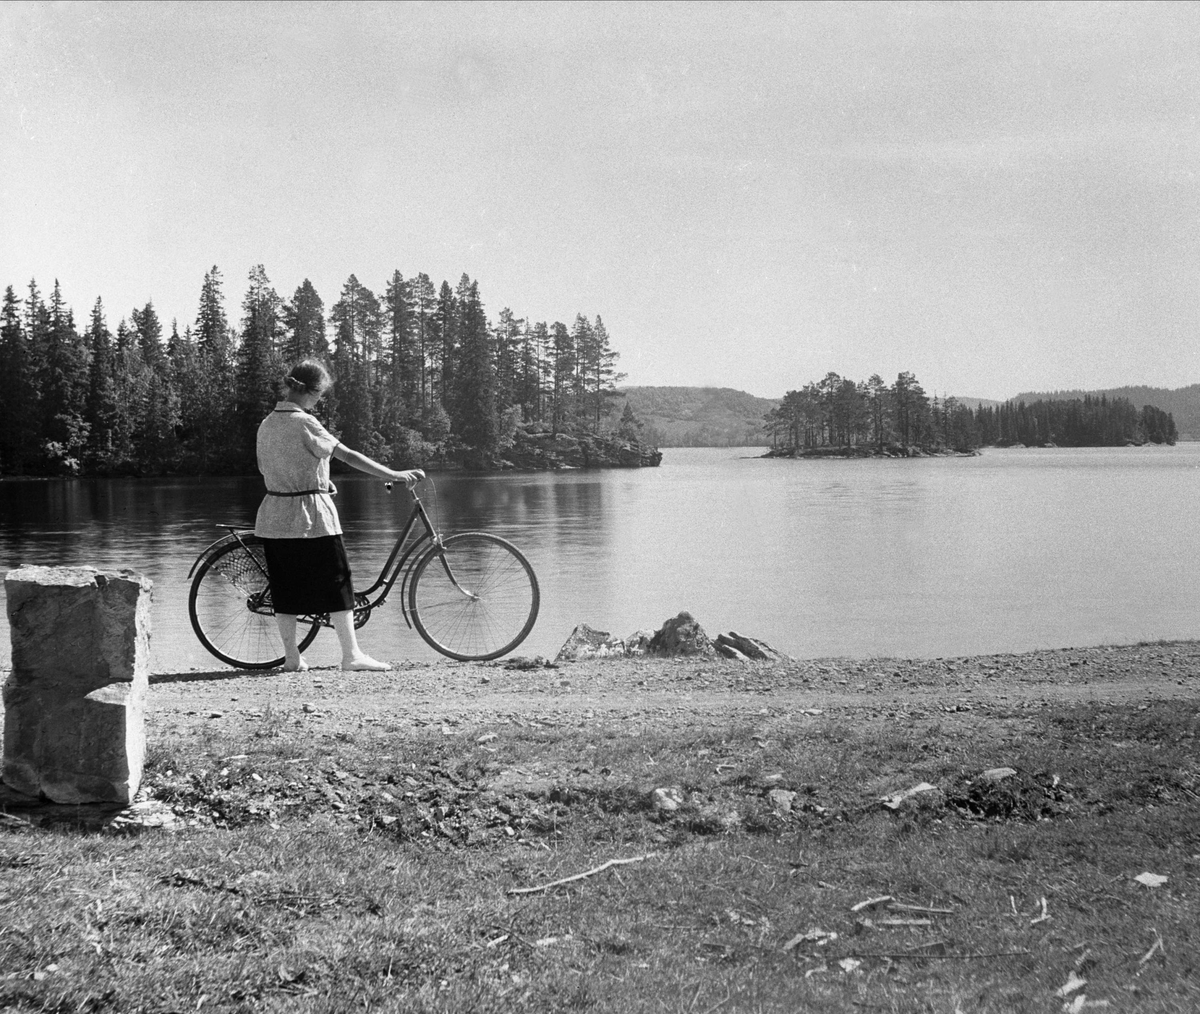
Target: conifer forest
[(422, 375)]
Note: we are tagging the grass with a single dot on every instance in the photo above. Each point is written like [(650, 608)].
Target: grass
[(368, 869)]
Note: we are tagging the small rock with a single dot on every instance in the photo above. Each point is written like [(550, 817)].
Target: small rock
[(781, 799), (994, 775), (681, 635), (638, 643), (587, 642), (894, 801), (750, 647), (522, 662), (668, 799)]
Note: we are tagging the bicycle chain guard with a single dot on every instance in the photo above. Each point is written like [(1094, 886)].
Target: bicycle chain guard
[(362, 610)]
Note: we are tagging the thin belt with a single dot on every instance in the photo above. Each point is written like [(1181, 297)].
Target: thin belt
[(303, 492)]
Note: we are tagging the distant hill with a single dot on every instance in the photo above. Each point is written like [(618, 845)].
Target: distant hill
[(724, 417), (696, 416), (974, 403), (1183, 402)]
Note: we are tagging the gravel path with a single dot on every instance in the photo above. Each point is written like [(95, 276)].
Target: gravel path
[(690, 690)]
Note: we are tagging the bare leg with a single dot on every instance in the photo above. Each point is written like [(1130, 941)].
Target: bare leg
[(293, 661), (353, 657)]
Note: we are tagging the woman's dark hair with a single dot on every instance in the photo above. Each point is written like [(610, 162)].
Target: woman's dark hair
[(308, 377)]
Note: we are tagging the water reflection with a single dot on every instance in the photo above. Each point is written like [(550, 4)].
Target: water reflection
[(1007, 551)]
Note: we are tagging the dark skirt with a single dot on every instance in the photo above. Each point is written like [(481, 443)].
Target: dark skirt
[(309, 576)]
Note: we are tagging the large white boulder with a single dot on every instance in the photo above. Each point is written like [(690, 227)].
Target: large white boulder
[(75, 701)]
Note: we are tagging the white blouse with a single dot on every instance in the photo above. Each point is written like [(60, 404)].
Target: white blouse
[(293, 456)]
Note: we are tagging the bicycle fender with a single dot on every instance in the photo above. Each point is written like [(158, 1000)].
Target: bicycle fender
[(436, 547), (404, 594), (214, 546)]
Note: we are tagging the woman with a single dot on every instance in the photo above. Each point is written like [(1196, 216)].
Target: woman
[(298, 522)]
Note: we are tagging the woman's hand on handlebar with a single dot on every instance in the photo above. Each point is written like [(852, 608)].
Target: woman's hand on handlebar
[(409, 478)]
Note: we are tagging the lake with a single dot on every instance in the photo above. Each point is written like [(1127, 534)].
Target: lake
[(1008, 551)]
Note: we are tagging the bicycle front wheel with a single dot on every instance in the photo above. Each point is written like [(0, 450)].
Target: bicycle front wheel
[(230, 607), (474, 597)]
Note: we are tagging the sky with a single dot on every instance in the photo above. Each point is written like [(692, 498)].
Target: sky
[(998, 198)]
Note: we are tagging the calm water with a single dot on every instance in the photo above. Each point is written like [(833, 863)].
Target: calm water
[(1009, 551)]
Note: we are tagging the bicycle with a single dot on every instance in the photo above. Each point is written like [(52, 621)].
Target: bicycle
[(471, 596)]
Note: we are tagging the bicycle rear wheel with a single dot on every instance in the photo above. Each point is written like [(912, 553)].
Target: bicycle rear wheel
[(473, 598), (230, 607)]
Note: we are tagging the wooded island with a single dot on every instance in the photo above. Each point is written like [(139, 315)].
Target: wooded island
[(839, 416)]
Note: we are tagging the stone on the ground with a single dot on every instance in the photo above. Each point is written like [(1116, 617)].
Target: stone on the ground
[(898, 799), (74, 703), (524, 662), (781, 800), (587, 642), (667, 799), (638, 643), (728, 650), (749, 647), (995, 775), (681, 635)]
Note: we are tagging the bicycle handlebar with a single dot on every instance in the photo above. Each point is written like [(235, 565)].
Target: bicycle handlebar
[(388, 485)]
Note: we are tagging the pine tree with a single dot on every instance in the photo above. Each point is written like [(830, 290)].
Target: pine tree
[(154, 439), (507, 343), (63, 383), (877, 398), (149, 337), (904, 398), (18, 420), (36, 327), (403, 367), (207, 402), (474, 412), (630, 426), (526, 380), (259, 363), (304, 325), (424, 303), (156, 442), (564, 366), (212, 326), (358, 324), (602, 372), (539, 380), (131, 389), (445, 327), (102, 395), (582, 342)]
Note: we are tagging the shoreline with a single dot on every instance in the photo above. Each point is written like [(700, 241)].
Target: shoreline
[(646, 689)]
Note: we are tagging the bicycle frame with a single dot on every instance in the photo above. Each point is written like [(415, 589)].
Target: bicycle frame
[(396, 562), (392, 569)]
